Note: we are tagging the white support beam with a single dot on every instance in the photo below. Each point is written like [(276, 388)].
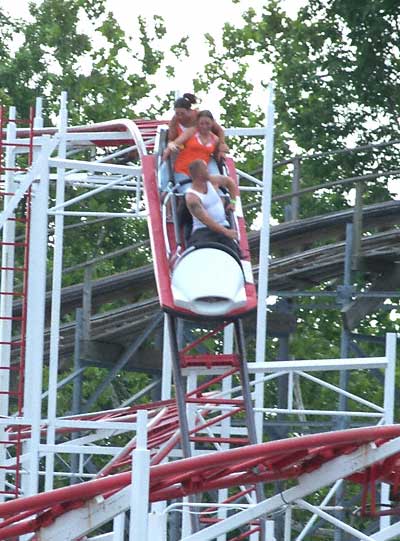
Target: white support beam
[(119, 527), (390, 532), (389, 402), (55, 315), (78, 449), (261, 132), (81, 165), (98, 136), (333, 520), (77, 523), (95, 425), (306, 365), (35, 318), (262, 291), (332, 491), (106, 186), (139, 498)]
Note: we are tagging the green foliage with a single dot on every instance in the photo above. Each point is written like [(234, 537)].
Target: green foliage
[(336, 74), (335, 69), (78, 46), (56, 54)]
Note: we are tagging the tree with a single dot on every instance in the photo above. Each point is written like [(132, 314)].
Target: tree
[(56, 54), (335, 69), (77, 46)]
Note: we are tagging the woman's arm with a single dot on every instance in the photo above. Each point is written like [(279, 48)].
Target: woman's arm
[(177, 144), (184, 136), (222, 146), (173, 128), (218, 130)]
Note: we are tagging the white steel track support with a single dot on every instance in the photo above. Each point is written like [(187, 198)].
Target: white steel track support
[(391, 532), (118, 528), (333, 520), (34, 172), (35, 319), (140, 482), (287, 532), (157, 516), (388, 405), (80, 522), (311, 522), (225, 423), (56, 294), (262, 291)]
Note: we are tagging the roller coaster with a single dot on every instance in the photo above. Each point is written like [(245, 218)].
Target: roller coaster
[(202, 461)]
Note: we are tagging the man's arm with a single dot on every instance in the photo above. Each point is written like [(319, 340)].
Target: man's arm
[(222, 181), (198, 211)]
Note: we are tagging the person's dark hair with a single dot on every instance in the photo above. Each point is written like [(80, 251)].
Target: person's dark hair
[(185, 102), (205, 113)]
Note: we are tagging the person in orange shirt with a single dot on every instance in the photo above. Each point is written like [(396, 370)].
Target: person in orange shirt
[(195, 143), (186, 117)]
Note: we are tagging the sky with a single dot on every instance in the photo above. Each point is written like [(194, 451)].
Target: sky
[(208, 16), (181, 18)]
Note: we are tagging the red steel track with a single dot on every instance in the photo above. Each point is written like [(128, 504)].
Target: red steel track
[(276, 460)]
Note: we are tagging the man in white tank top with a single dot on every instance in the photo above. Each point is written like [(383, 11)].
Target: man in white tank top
[(205, 205)]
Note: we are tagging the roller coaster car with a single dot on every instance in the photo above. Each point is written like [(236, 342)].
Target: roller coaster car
[(204, 281), (209, 280)]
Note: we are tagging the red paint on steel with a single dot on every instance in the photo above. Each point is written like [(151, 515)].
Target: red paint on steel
[(156, 232), (19, 368), (160, 256), (201, 473)]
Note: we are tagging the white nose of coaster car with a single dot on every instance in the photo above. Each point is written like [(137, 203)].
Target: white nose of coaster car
[(208, 282)]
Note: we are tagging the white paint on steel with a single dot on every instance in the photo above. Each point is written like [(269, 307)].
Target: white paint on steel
[(389, 398), (139, 500), (56, 294), (333, 520), (81, 165), (35, 325), (262, 291), (33, 173), (392, 532), (307, 365), (287, 532)]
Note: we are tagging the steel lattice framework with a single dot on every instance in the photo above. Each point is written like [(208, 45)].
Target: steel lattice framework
[(198, 450)]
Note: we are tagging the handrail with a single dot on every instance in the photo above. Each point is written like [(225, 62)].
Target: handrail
[(343, 182)]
